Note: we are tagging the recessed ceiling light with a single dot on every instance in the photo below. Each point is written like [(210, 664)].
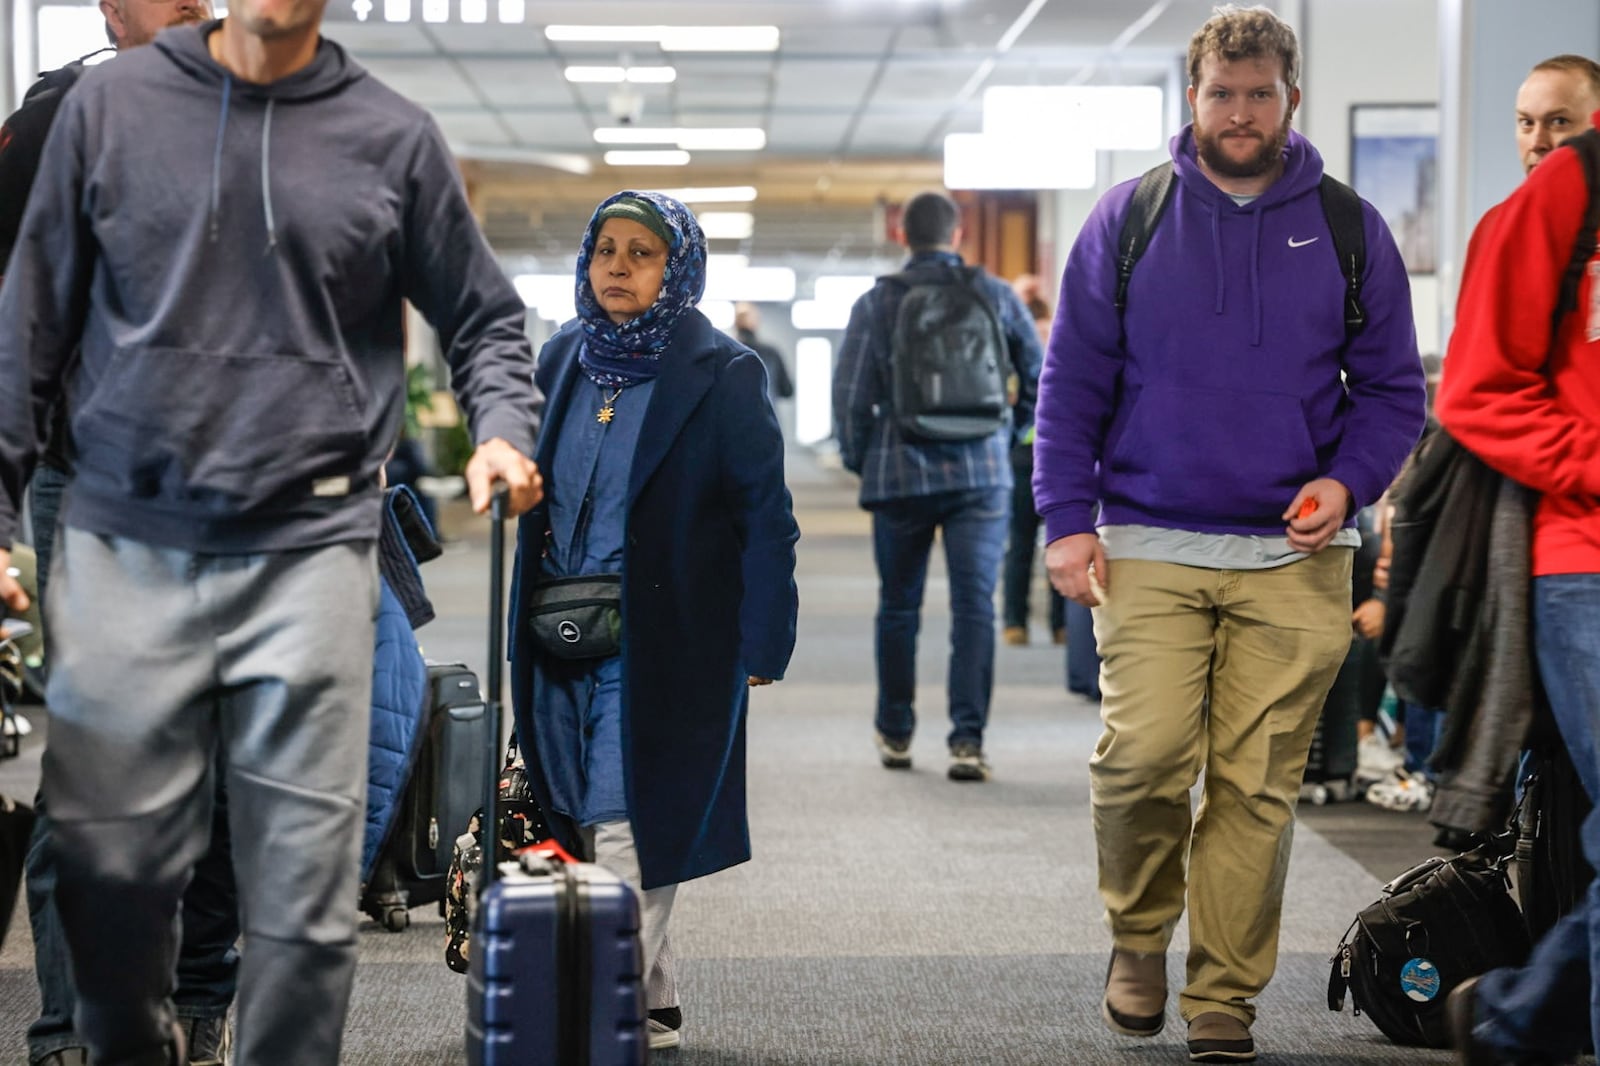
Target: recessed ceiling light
[(616, 75), (652, 75), (636, 135), (727, 225), (667, 158), (722, 140), (674, 38), (713, 194)]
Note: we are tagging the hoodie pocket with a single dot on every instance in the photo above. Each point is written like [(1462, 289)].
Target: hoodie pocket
[(217, 432), (1224, 456)]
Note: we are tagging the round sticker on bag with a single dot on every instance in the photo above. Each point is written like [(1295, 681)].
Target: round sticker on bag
[(1419, 980)]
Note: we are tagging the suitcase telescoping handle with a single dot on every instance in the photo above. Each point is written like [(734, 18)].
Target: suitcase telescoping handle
[(489, 848)]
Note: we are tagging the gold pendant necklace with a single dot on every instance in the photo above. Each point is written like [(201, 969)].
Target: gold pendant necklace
[(607, 412)]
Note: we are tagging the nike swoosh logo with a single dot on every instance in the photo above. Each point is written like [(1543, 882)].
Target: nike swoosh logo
[(1301, 244)]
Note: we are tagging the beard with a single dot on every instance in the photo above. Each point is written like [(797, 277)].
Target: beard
[(1210, 149)]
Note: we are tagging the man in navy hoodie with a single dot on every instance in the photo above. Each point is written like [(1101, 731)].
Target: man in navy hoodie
[(1208, 421), (225, 224)]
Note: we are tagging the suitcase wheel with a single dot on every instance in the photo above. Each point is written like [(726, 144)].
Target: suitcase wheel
[(396, 919)]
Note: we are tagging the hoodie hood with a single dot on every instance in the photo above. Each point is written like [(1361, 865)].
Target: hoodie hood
[(331, 69), (1302, 174)]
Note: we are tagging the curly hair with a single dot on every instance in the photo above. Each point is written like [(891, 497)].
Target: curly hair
[(1234, 32)]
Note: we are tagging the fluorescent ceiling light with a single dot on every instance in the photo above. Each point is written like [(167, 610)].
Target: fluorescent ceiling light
[(757, 285), (842, 288), (604, 34), (674, 38), (596, 75), (812, 315), (552, 296), (652, 75), (512, 12), (635, 135), (720, 312), (667, 158), (727, 261), (474, 10), (727, 225), (719, 39), (435, 10), (1108, 117), (616, 75), (713, 194), (980, 161), (732, 139), (397, 10), (688, 138), (813, 390)]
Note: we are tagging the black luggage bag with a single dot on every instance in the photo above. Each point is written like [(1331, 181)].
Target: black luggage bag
[(555, 974), (445, 788)]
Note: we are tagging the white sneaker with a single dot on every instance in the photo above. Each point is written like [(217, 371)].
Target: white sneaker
[(1376, 760), (663, 1027), (1401, 791), (14, 725)]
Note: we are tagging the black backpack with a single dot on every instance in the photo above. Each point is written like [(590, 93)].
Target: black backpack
[(948, 358), (1340, 205), (1436, 925)]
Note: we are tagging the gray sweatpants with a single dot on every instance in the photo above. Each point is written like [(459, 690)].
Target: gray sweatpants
[(158, 659), (611, 845)]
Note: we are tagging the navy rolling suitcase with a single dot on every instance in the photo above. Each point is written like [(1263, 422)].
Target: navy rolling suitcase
[(555, 971)]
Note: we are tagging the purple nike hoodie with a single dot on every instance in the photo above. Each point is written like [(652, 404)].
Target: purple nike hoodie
[(1235, 385)]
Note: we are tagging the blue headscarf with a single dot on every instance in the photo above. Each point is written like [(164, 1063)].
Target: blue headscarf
[(616, 356)]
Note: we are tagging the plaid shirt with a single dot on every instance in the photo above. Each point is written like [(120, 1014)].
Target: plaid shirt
[(892, 467)]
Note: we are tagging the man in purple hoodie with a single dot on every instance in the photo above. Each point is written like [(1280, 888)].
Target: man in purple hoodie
[(1228, 426)]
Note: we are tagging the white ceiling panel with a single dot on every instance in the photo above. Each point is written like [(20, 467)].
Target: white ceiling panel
[(818, 81), (926, 83), (369, 39), (836, 40), (471, 127), (430, 82), (892, 135), (490, 38), (520, 83), (554, 130)]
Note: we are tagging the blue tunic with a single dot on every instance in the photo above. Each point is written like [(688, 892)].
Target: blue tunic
[(578, 707)]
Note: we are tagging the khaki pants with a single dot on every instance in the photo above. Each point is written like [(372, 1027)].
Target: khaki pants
[(1223, 671)]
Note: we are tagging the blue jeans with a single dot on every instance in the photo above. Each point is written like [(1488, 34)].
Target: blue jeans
[(1547, 1008), (973, 523), (1422, 735), (1020, 547), (208, 960)]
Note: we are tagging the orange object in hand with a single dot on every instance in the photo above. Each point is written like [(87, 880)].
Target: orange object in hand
[(1308, 508)]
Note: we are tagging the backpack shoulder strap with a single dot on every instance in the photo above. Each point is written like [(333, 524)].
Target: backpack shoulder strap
[(1587, 145), (1342, 207), (1149, 202)]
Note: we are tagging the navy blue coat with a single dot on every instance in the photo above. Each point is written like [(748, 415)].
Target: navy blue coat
[(708, 593)]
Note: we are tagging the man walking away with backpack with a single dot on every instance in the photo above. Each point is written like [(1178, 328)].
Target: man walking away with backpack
[(923, 416), (1521, 390), (1230, 409)]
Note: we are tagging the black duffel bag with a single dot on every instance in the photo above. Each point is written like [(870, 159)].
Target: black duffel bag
[(1436, 925)]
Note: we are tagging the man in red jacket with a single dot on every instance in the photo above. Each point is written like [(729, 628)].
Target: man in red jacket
[(1521, 390)]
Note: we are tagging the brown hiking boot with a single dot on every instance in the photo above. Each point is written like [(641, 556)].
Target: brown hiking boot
[(1135, 1002), (1218, 1037)]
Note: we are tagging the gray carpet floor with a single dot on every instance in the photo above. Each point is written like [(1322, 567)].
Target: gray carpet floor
[(888, 917)]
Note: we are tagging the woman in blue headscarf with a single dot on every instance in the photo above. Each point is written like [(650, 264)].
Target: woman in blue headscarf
[(655, 583)]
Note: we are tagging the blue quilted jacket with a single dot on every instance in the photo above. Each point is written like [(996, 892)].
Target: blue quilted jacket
[(399, 681)]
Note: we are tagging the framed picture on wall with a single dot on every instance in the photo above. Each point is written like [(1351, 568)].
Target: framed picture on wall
[(1394, 164)]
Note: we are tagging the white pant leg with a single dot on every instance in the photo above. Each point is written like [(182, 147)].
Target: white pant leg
[(614, 849)]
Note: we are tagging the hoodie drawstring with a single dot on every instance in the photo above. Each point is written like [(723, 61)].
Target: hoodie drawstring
[(266, 178), (216, 157), (1255, 275), (1216, 253), (216, 169)]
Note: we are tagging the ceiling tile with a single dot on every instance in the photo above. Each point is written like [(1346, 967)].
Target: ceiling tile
[(520, 82), (370, 39), (490, 38), (803, 82), (429, 82), (471, 127)]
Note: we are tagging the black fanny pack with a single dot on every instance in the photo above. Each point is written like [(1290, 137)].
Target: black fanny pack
[(578, 617)]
